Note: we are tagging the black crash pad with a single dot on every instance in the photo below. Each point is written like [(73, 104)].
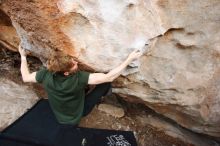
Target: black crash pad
[(39, 127)]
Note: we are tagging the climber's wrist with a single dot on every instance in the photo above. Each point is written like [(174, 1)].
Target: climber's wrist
[(23, 57)]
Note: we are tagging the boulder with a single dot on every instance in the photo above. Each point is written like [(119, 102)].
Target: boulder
[(15, 101), (179, 72), (112, 110)]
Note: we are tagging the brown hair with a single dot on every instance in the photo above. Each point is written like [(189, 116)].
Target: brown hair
[(60, 62)]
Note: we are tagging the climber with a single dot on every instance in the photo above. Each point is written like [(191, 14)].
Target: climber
[(65, 84)]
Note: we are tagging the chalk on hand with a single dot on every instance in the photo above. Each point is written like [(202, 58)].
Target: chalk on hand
[(140, 44)]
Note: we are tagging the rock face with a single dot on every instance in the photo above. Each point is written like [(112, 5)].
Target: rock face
[(8, 36), (15, 101), (179, 73)]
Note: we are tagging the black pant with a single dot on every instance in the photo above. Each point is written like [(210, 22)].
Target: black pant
[(94, 97)]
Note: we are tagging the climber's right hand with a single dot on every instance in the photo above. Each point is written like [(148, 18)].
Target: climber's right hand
[(21, 51)]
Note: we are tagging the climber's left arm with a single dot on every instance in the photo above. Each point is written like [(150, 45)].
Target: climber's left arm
[(98, 78), (26, 75)]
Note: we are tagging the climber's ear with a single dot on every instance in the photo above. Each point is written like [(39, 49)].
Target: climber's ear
[(66, 73)]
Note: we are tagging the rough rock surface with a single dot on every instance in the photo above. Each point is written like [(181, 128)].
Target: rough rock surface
[(112, 110), (178, 76), (15, 101), (8, 36)]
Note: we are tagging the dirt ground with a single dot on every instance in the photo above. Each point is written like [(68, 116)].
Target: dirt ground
[(146, 135)]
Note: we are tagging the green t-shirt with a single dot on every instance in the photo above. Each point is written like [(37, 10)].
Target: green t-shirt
[(66, 94)]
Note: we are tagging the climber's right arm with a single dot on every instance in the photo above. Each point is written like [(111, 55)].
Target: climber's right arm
[(98, 78), (26, 75)]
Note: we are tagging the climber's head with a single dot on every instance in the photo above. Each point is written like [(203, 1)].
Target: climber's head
[(62, 63)]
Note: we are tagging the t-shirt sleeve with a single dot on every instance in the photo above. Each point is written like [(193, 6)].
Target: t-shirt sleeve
[(40, 75), (83, 78)]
